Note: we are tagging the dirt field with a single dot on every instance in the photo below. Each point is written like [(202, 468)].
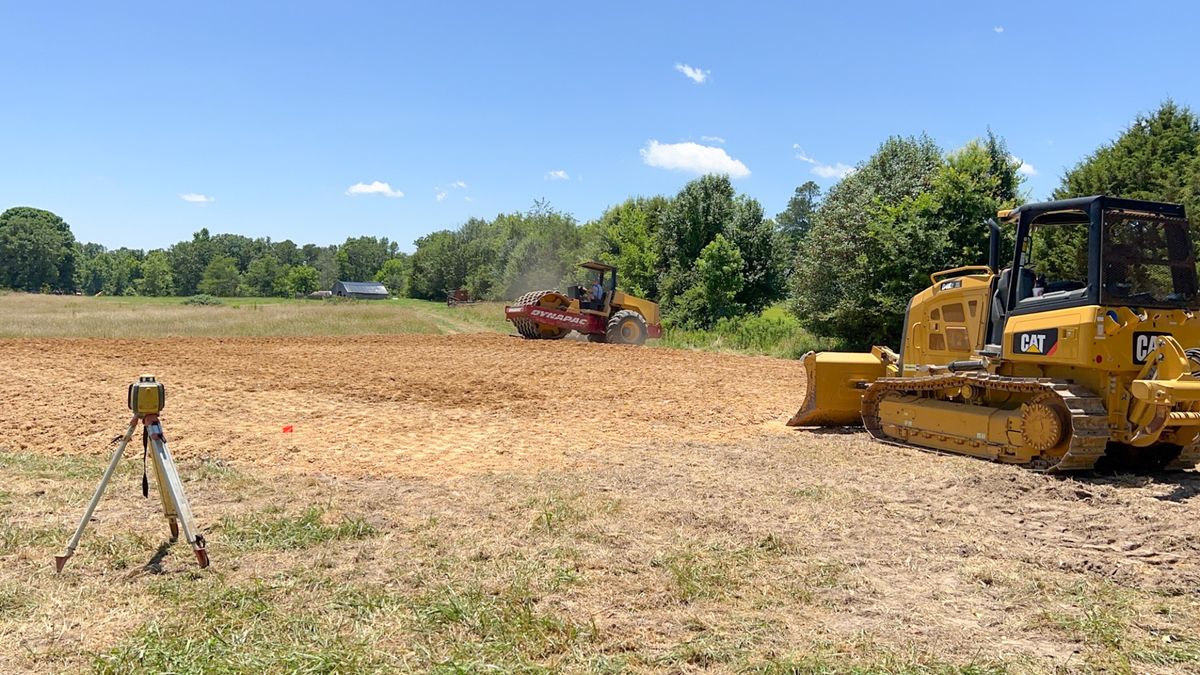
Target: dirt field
[(473, 501), (397, 406)]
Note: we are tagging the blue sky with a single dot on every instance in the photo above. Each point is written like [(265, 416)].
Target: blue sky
[(140, 123)]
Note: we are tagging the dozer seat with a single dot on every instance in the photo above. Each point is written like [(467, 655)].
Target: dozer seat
[(999, 310)]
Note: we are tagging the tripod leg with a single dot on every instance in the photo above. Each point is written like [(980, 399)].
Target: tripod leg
[(61, 560), (164, 494), (174, 491)]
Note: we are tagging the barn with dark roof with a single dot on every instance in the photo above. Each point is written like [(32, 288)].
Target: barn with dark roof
[(363, 290)]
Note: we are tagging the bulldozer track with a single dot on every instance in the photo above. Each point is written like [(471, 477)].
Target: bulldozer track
[(1188, 458), (1088, 417)]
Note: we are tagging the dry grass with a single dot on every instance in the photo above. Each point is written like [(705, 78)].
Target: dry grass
[(450, 504), (664, 563), (48, 316)]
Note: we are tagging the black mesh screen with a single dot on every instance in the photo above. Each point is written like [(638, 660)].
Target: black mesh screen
[(1148, 260)]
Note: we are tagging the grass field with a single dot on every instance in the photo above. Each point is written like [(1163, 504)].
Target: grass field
[(774, 333), (456, 500), (42, 316)]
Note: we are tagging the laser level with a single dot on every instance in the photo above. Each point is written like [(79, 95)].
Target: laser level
[(147, 397)]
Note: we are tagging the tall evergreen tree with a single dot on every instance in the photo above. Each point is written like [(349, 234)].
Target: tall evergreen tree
[(1157, 158)]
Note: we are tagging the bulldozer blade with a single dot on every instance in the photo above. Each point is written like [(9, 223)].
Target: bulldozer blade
[(835, 383)]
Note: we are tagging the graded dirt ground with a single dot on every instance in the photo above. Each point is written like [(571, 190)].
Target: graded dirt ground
[(400, 406), (477, 501)]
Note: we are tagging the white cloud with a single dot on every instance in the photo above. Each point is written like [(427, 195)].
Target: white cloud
[(468, 199), (694, 74), (999, 29), (444, 190), (557, 175), (713, 139), (837, 170), (692, 157), (801, 155), (373, 188), (1025, 168), (197, 198)]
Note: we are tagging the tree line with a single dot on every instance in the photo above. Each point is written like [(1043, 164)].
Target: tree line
[(846, 261)]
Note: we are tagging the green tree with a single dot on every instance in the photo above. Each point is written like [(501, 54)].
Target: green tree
[(188, 261), (302, 280), (764, 256), (795, 220), (704, 208), (326, 264), (156, 275), (545, 249), (719, 280), (477, 257), (394, 275), (261, 276), (627, 238), (241, 248), (835, 283), (287, 253), (361, 257), (907, 212), (93, 272), (501, 258), (1157, 158), (37, 250), (1003, 167), (693, 218), (221, 277), (434, 266), (123, 266)]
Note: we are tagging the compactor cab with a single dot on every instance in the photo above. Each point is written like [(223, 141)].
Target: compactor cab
[(607, 316), (603, 275), (1080, 350)]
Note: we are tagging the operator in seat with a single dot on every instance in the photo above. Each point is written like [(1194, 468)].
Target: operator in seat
[(598, 292)]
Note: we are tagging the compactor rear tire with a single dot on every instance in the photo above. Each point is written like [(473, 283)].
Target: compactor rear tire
[(627, 327), (531, 330)]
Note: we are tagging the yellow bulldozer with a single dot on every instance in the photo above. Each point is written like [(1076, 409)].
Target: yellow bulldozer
[(1081, 359), (599, 311)]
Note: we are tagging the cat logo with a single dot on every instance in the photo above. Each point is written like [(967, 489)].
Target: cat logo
[(1143, 345), (1033, 343), (1036, 342)]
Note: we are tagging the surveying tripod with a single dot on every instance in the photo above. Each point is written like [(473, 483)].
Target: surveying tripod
[(147, 397)]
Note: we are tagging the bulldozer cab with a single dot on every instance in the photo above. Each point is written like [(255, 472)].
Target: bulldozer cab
[(1123, 267), (1093, 251)]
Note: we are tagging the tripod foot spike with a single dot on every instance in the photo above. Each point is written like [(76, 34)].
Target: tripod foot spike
[(60, 561), (174, 529), (202, 557)]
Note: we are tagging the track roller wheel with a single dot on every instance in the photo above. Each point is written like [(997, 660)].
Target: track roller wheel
[(1043, 424), (627, 327)]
